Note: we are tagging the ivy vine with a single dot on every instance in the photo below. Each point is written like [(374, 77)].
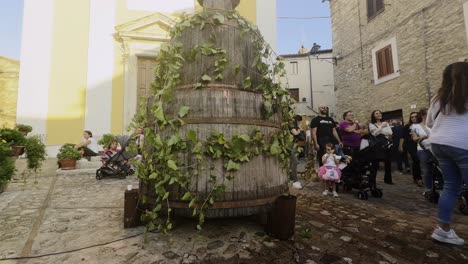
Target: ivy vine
[(161, 156)]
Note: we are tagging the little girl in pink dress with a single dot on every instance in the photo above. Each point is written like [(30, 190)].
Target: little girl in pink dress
[(329, 172)]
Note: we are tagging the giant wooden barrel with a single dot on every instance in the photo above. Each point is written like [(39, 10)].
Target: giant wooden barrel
[(225, 106)]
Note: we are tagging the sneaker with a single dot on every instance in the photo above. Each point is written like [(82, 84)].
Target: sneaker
[(335, 194), (297, 185), (325, 193), (447, 237)]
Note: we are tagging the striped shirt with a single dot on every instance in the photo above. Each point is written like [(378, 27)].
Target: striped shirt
[(449, 129)]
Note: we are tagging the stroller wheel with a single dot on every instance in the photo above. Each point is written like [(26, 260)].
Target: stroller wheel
[(130, 172), (377, 193), (361, 195), (463, 205), (122, 175), (98, 175)]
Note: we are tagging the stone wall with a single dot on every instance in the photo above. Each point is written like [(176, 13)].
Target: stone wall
[(430, 34), (9, 73)]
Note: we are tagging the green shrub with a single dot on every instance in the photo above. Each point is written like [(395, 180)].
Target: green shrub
[(36, 153), (68, 152), (7, 166), (12, 137), (24, 128)]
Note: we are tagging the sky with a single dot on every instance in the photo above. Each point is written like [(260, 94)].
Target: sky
[(291, 33)]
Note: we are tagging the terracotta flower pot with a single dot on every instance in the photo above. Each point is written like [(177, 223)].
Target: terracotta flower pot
[(68, 164), (17, 150)]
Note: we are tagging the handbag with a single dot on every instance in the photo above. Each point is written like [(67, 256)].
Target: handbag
[(380, 141)]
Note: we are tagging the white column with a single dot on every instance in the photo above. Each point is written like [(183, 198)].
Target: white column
[(266, 20), (35, 63), (130, 92), (100, 66)]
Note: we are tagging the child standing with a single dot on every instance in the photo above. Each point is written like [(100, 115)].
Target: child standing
[(329, 172)]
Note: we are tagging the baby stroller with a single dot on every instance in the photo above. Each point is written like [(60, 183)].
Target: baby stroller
[(360, 175), (437, 179), (117, 165)]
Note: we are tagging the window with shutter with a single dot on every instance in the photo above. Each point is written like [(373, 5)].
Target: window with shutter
[(384, 62), (374, 7)]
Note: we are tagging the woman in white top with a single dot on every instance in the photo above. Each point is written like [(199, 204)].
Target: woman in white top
[(448, 117), (419, 134), (88, 146), (377, 128)]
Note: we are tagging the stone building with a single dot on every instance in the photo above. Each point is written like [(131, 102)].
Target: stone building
[(390, 54), (310, 79), (9, 74)]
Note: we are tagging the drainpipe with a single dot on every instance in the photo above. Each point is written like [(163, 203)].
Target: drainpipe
[(310, 80)]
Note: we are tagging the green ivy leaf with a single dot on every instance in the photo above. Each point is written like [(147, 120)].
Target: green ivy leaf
[(159, 112), (172, 165), (166, 195), (199, 228), (198, 85), (247, 83), (173, 140), (192, 203), (186, 196), (275, 148), (211, 201), (157, 141), (232, 166), (192, 136), (157, 208), (173, 179), (183, 111), (206, 78), (219, 18), (245, 137)]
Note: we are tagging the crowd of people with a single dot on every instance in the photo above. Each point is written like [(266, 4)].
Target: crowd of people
[(442, 130)]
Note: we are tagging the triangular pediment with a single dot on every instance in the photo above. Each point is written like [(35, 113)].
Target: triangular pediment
[(154, 26)]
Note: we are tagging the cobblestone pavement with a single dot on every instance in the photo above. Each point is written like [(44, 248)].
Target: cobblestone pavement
[(50, 214)]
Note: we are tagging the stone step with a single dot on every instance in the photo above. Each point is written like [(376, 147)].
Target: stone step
[(61, 172), (96, 159), (85, 164)]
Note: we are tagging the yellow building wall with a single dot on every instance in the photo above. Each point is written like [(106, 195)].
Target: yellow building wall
[(9, 75), (67, 94)]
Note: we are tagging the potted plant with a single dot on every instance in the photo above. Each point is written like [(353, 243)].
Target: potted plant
[(24, 129), (7, 165), (35, 153), (15, 139), (68, 156)]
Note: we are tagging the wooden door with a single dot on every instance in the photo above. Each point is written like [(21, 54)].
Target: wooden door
[(146, 67)]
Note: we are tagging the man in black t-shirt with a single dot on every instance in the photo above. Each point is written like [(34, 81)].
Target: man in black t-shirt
[(323, 132)]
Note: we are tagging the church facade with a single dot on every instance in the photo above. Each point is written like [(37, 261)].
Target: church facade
[(84, 64)]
